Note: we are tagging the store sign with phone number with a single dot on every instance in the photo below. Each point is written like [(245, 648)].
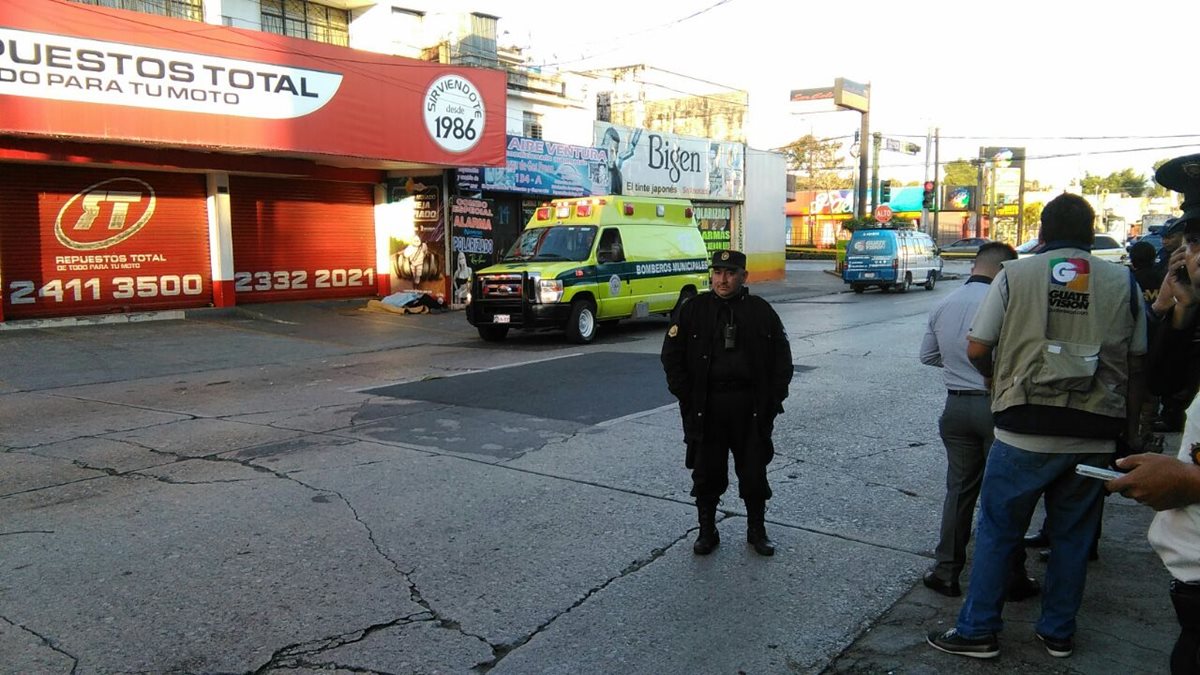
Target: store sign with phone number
[(114, 243)]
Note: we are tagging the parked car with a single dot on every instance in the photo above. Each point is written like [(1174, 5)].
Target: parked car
[(1104, 247), (964, 247), (1154, 240), (1029, 248)]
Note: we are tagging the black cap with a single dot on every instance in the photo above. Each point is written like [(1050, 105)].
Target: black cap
[(1173, 226), (1182, 175), (734, 260)]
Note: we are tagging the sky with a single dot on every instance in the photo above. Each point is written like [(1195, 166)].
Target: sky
[(1080, 85)]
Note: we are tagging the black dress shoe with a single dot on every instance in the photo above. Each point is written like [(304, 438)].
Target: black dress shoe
[(1039, 540), (1023, 588), (950, 589)]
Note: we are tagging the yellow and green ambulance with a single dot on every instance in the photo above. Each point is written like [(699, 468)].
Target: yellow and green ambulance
[(589, 260)]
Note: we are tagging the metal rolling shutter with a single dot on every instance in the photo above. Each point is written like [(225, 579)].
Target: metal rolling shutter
[(87, 241), (302, 239)]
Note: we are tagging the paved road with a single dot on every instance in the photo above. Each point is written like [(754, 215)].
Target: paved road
[(312, 487)]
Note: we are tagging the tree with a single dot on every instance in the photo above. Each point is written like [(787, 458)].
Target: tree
[(1155, 189), (960, 172), (817, 162), (1124, 181), (1032, 215)]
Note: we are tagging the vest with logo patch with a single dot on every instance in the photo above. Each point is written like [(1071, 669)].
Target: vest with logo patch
[(1067, 343)]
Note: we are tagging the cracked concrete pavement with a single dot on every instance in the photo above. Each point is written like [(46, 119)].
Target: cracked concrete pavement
[(226, 494)]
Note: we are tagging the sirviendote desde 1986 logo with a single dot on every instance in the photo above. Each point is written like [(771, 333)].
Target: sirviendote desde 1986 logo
[(58, 67), (1069, 284), (105, 214), (454, 113)]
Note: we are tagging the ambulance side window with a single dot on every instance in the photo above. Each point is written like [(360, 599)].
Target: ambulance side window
[(610, 249)]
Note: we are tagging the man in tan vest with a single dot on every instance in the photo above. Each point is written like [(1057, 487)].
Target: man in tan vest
[(1060, 335)]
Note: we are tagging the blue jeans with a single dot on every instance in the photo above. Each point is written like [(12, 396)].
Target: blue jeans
[(1013, 481)]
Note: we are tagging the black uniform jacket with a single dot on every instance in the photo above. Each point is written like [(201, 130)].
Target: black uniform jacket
[(686, 356)]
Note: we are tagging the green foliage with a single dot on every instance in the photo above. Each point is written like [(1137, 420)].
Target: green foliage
[(960, 172), (1124, 181), (817, 162), (1032, 214)]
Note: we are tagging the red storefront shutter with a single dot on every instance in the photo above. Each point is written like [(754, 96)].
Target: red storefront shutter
[(87, 241), (302, 239)]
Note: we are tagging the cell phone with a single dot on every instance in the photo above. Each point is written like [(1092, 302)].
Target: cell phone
[(1096, 472), (1181, 274)]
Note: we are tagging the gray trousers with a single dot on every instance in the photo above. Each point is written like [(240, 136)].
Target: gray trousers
[(967, 432)]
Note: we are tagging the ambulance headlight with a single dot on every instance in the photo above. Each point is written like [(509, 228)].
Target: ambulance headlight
[(549, 291)]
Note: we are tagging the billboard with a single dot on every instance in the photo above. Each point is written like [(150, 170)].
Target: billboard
[(540, 167), (655, 164)]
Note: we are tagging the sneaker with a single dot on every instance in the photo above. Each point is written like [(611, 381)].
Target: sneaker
[(1055, 647), (953, 643)]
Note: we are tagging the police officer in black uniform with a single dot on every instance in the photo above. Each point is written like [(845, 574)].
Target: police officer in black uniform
[(728, 361)]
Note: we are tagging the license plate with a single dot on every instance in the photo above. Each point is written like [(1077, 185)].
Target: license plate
[(868, 275), (501, 318)]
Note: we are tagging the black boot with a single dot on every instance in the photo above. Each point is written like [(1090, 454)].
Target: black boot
[(756, 528), (708, 538)]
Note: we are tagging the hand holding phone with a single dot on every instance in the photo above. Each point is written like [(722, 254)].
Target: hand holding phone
[(1097, 472)]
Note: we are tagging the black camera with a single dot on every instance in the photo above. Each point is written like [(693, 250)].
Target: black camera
[(730, 335)]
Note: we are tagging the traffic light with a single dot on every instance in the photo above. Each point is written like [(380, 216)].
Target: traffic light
[(885, 191), (927, 199)]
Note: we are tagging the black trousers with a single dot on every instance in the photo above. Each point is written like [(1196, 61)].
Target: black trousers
[(729, 428), (1185, 658)]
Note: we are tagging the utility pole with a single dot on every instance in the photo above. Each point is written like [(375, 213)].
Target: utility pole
[(878, 141), (925, 211), (860, 201), (937, 182)]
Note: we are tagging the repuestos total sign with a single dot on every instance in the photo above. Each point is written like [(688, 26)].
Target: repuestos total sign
[(40, 65), (93, 73)]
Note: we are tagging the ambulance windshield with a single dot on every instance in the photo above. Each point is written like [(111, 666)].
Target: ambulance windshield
[(566, 242)]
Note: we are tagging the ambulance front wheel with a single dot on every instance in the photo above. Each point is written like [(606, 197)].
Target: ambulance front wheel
[(493, 333), (581, 327)]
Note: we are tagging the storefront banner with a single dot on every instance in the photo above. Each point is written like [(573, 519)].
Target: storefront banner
[(541, 167), (714, 221), (651, 163), (471, 241), (89, 72), (821, 202)]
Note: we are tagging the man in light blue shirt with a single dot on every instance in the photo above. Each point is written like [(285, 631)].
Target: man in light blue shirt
[(966, 425)]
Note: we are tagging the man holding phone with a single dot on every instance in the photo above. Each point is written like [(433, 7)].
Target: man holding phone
[(1169, 485)]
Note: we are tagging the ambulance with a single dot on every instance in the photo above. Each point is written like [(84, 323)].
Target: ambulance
[(585, 261)]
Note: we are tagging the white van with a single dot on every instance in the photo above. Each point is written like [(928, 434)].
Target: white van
[(891, 258)]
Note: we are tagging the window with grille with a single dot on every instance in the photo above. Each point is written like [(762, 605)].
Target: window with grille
[(192, 10), (308, 20), (532, 127)]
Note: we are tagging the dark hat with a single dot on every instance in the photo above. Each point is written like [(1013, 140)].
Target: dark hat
[(1173, 226), (1182, 175), (734, 260)]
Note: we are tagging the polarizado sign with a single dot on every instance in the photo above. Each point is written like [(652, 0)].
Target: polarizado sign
[(88, 72)]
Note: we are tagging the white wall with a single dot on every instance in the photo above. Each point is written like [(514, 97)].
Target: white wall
[(764, 225), (242, 13)]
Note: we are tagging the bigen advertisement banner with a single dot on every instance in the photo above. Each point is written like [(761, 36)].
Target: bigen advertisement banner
[(655, 164)]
